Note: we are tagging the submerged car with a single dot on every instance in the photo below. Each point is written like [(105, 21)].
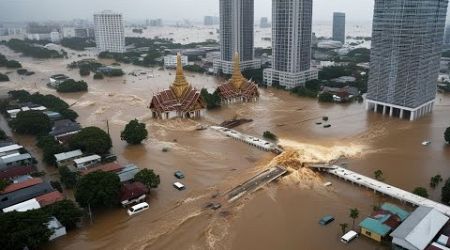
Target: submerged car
[(326, 220), (179, 175)]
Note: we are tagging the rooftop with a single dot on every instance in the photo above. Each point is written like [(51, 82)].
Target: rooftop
[(23, 206), (68, 155), (419, 229), (16, 186), (49, 198), (376, 226), (132, 190), (24, 194), (110, 167), (10, 148), (64, 126), (87, 159), (16, 171)]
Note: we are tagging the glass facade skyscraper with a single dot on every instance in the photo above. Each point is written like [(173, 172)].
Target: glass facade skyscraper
[(407, 39)]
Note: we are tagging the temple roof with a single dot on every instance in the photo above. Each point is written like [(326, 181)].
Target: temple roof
[(237, 79), (180, 85), (181, 96), (238, 86)]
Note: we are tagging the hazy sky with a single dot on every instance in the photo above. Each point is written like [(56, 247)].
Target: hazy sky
[(43, 10)]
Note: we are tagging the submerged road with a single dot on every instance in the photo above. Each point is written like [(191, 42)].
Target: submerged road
[(256, 182)]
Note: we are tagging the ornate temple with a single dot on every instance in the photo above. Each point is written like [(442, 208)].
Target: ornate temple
[(238, 89), (181, 100)]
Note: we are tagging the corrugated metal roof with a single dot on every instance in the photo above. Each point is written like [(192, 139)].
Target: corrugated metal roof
[(68, 155), (23, 206), (419, 229), (50, 198), (24, 194)]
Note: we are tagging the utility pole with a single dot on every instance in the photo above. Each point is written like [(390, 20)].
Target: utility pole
[(107, 127), (90, 213)]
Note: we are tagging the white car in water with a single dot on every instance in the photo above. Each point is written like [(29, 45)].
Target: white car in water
[(137, 208)]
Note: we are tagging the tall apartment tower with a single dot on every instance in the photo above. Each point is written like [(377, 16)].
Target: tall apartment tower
[(339, 27), (291, 44), (447, 36), (109, 32), (404, 60), (236, 35)]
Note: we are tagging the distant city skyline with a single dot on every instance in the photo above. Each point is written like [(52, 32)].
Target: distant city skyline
[(172, 10)]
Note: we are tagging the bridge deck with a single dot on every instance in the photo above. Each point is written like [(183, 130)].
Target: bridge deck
[(387, 189), (256, 182), (254, 141)]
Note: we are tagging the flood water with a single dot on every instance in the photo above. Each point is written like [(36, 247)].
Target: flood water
[(283, 215)]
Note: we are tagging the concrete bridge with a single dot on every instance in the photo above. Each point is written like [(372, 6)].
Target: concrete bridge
[(381, 187), (251, 140)]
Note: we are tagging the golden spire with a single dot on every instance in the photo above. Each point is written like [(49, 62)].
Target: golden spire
[(180, 84), (237, 79)]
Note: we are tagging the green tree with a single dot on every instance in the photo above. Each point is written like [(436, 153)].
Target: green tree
[(435, 180), (343, 227), (91, 140), (3, 78), (98, 189), (69, 114), (378, 175), (269, 135), (445, 196), (20, 95), (71, 85), (354, 214), (67, 177), (3, 184), (447, 135), (98, 76), (148, 178), (66, 211), (24, 229), (134, 132), (326, 97), (50, 147), (212, 100), (13, 64), (3, 135), (85, 71), (31, 122), (421, 191)]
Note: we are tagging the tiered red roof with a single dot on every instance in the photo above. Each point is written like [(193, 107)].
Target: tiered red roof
[(238, 87), (181, 97)]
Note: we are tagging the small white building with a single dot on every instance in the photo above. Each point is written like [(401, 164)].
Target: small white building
[(11, 149), (67, 158), (85, 162), (57, 228), (170, 61), (55, 37)]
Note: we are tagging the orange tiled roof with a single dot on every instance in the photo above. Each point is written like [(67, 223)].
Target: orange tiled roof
[(20, 185)]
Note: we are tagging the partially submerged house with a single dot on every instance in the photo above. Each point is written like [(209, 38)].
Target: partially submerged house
[(15, 160), (24, 194), (132, 193), (67, 158), (64, 129), (383, 221), (87, 161), (418, 231)]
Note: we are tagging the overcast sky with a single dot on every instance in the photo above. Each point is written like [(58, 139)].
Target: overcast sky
[(43, 10)]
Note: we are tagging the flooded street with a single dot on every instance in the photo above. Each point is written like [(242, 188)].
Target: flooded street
[(283, 215)]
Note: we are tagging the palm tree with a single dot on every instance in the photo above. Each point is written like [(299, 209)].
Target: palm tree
[(343, 227), (435, 180), (378, 175), (354, 214)]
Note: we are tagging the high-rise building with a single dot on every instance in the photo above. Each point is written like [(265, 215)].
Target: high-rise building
[(447, 35), (404, 61), (339, 27), (291, 44), (109, 32), (264, 22), (210, 20), (236, 35)]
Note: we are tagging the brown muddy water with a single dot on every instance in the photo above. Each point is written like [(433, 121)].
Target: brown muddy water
[(283, 215)]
